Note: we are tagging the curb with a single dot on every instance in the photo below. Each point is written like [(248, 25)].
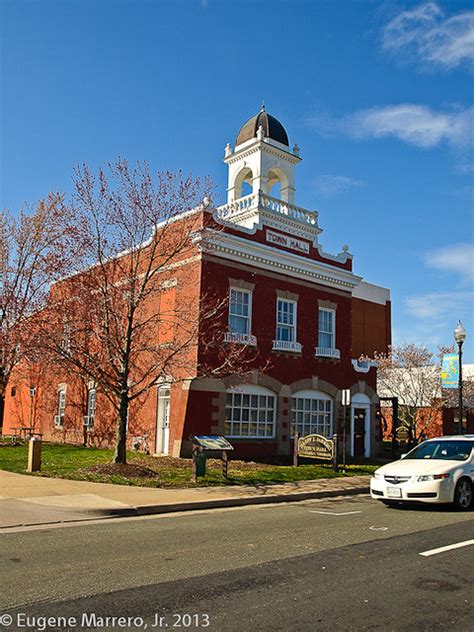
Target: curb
[(146, 510), (149, 510)]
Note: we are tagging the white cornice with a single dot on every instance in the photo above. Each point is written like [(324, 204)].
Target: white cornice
[(259, 145), (268, 258)]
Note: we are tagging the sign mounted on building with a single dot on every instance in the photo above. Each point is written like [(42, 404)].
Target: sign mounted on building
[(346, 397), (316, 446), (450, 371), (287, 241)]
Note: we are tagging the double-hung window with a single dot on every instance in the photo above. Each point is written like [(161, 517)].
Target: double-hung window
[(59, 418), (286, 321), (327, 328), (90, 409), (240, 306), (240, 317)]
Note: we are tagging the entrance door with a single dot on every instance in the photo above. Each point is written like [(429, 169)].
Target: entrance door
[(359, 431), (163, 420)]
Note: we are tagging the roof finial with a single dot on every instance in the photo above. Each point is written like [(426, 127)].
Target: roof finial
[(263, 106)]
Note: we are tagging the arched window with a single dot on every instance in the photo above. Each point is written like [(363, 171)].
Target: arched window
[(312, 413), (250, 412)]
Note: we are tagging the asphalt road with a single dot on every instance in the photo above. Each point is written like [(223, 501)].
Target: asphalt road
[(339, 564)]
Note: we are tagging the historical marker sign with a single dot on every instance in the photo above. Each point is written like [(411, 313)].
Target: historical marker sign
[(212, 442), (316, 447)]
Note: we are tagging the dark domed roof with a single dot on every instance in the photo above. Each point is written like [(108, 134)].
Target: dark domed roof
[(272, 128)]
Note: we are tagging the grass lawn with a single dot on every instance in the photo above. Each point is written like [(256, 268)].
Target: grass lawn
[(92, 464)]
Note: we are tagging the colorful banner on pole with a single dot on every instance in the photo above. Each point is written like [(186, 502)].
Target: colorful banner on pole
[(450, 371)]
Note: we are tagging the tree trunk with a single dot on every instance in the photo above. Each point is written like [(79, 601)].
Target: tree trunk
[(120, 454)]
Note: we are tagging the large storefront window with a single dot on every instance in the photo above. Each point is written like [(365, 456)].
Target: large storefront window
[(250, 412), (311, 413)]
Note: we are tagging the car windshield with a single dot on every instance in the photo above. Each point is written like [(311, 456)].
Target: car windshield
[(455, 450)]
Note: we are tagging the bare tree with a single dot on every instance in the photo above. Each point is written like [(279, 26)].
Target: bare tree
[(34, 249), (412, 374), (119, 321)]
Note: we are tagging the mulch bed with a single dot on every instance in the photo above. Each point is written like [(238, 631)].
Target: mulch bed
[(149, 467), (169, 462), (127, 470)]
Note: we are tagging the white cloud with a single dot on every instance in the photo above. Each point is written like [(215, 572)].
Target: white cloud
[(432, 316), (414, 124), (439, 305), (458, 258), (435, 39), (329, 185)]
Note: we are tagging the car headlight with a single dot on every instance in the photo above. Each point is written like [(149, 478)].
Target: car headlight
[(432, 477), (378, 476)]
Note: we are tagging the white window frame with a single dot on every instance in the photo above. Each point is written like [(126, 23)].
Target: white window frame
[(90, 410), (361, 400), (61, 408), (295, 317), (332, 333), (248, 317), (241, 406), (306, 416)]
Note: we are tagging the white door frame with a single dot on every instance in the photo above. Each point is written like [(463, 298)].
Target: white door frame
[(365, 405), (162, 420)]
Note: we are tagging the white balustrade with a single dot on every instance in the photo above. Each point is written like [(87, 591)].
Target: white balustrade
[(264, 201), (244, 339), (286, 345), (327, 352)]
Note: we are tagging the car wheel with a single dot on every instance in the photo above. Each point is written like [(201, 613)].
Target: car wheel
[(463, 495)]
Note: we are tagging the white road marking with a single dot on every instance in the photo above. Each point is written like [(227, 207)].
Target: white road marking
[(378, 528), (442, 549), (334, 513)]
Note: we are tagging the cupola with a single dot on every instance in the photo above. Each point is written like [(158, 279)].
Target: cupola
[(262, 162), (272, 128)]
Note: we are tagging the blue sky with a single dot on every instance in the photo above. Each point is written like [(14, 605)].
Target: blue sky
[(378, 95)]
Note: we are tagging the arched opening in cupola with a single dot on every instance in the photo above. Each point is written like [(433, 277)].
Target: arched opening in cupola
[(243, 183), (277, 184)]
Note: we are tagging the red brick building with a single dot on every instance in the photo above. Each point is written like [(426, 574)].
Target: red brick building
[(306, 312)]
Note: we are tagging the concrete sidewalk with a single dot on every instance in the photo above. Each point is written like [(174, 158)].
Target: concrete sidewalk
[(32, 500)]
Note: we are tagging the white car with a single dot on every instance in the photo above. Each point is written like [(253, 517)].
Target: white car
[(439, 470)]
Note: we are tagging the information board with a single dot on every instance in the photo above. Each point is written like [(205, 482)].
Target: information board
[(212, 442)]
